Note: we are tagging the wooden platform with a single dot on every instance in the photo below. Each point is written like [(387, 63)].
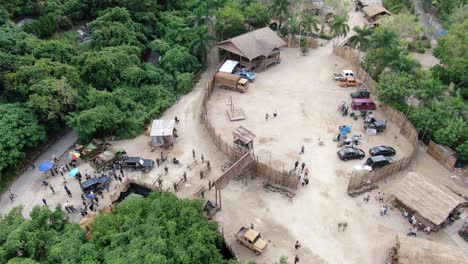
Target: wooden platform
[(236, 114)]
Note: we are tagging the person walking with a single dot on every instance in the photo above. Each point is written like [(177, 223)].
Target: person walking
[(296, 259), (185, 176), (302, 150), (296, 164), (302, 166), (266, 117), (44, 201), (45, 183), (11, 195), (275, 114), (166, 170), (67, 191), (72, 208), (297, 245), (157, 162), (67, 207), (193, 154), (202, 159), (52, 189), (201, 175)]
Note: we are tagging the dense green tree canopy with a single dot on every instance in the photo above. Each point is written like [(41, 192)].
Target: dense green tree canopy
[(230, 20), (257, 15), (157, 229), (453, 52), (56, 79), (20, 132)]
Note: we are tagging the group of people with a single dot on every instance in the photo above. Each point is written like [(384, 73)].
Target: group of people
[(303, 173), (267, 116), (297, 246), (415, 224)]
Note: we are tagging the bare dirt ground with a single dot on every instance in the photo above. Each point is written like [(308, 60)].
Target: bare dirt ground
[(305, 97)]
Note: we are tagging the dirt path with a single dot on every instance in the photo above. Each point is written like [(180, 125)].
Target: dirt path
[(28, 185)]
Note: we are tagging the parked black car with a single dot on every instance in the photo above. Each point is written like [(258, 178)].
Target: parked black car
[(379, 125), (360, 94), (382, 150), (380, 161), (138, 163), (350, 153), (95, 184)]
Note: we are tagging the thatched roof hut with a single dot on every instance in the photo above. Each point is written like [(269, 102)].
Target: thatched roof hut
[(432, 203), (253, 46), (372, 12), (412, 250)]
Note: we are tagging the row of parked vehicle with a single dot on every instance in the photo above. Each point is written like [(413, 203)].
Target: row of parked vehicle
[(380, 155)]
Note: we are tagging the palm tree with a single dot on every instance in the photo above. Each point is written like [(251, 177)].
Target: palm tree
[(200, 16), (340, 27), (279, 9), (384, 38), (202, 43), (309, 23), (362, 39)]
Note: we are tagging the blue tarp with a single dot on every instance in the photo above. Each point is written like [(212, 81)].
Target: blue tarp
[(45, 166), (345, 130)]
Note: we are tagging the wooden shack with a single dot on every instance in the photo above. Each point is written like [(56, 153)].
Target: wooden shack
[(163, 133), (255, 49), (431, 204), (243, 137)]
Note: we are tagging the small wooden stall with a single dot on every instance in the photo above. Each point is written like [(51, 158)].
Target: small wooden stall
[(410, 250), (431, 204), (163, 133), (243, 139), (255, 49)]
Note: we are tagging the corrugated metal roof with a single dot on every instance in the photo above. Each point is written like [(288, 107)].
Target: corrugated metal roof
[(243, 134), (260, 42), (162, 127)]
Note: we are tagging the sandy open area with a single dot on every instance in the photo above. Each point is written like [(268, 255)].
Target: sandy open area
[(305, 97)]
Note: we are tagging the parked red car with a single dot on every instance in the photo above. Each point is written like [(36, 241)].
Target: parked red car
[(363, 104)]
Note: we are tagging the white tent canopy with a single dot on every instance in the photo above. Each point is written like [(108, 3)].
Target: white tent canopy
[(228, 66)]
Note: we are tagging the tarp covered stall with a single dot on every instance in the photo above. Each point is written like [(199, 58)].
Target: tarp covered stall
[(411, 250), (163, 133), (430, 202)]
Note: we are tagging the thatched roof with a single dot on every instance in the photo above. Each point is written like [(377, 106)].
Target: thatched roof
[(260, 42), (434, 203), (374, 10), (417, 250)]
